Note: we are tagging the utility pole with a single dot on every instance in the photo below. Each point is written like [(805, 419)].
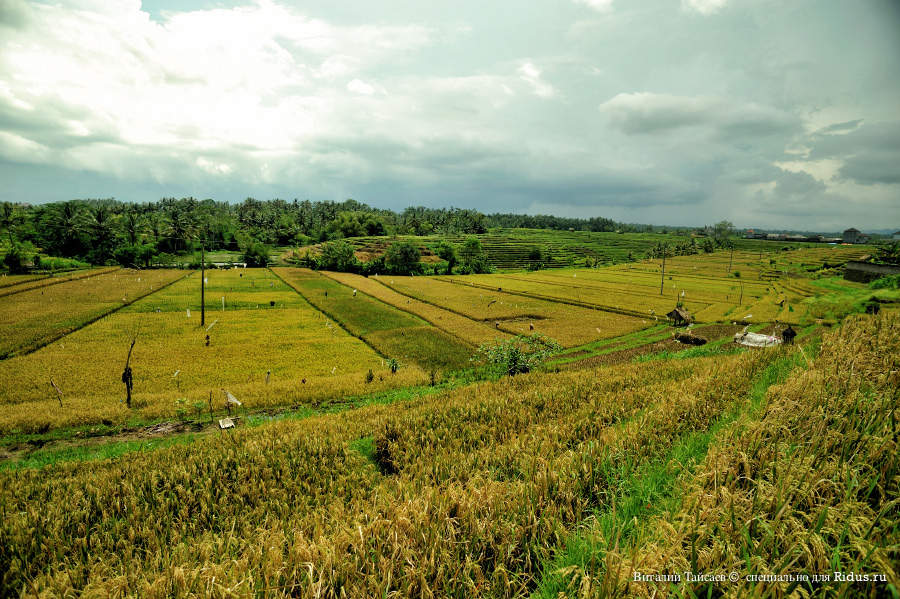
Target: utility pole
[(731, 257), (662, 278), (202, 283)]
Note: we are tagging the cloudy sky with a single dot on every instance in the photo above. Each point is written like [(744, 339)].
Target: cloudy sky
[(781, 113)]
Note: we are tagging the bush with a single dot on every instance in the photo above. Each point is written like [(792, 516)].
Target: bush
[(17, 259), (518, 355), (888, 282), (256, 254)]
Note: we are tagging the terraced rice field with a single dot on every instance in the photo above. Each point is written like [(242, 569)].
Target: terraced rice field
[(33, 317), (509, 249), (470, 330), (289, 354), (567, 324), (542, 485), (393, 332)]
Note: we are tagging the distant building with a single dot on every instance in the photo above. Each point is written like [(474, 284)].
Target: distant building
[(851, 235)]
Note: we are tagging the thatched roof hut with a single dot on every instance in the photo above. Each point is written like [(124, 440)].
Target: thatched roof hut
[(680, 316)]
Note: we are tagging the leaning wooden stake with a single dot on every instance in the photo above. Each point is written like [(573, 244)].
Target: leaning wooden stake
[(58, 392), (126, 374)]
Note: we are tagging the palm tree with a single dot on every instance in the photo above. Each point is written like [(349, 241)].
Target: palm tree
[(133, 225), (9, 218)]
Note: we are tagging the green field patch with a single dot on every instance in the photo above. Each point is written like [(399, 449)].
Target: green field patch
[(394, 333)]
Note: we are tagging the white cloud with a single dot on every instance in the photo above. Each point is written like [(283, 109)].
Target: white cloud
[(598, 5), (360, 87), (704, 7), (532, 75)]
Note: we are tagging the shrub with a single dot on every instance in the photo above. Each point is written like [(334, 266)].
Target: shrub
[(518, 355), (888, 282)]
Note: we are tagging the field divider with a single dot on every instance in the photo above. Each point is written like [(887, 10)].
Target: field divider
[(55, 281), (90, 321), (581, 304), (432, 323), (330, 316)]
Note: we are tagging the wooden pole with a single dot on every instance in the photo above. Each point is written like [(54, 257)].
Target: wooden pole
[(662, 278), (202, 284)]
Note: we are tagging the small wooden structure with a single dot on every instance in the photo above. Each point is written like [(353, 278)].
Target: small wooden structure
[(680, 316)]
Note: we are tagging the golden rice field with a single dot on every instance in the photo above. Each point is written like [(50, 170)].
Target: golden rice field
[(706, 285), (548, 485), (7, 280), (473, 331), (173, 367), (39, 315), (395, 333), (568, 324), (11, 284)]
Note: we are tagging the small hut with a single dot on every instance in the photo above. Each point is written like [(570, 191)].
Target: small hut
[(788, 335), (680, 316)]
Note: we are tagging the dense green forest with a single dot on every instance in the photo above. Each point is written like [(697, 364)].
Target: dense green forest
[(107, 231)]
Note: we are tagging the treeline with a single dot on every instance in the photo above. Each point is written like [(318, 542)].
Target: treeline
[(107, 231)]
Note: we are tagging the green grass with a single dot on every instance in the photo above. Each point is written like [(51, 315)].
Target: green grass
[(101, 451), (646, 490), (365, 447), (391, 331)]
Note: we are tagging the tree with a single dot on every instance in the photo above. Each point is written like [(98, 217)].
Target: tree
[(446, 251), (517, 355), (402, 258), (337, 256), (473, 258), (10, 217), (722, 230), (256, 254), (535, 258)]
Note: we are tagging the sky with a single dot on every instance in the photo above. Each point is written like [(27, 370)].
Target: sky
[(767, 113)]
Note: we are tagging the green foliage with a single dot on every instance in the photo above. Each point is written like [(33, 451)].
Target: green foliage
[(402, 258), (517, 355), (888, 282), (537, 258), (447, 252), (18, 257), (887, 254), (473, 258), (337, 256), (256, 254)]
